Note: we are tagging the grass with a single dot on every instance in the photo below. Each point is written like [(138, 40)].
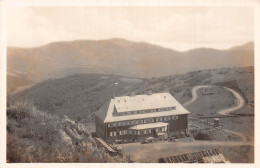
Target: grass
[(36, 132), (35, 136), (208, 105)]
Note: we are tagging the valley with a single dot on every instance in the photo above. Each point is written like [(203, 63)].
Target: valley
[(78, 96)]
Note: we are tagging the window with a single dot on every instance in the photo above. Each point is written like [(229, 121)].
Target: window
[(129, 112), (138, 132), (165, 118), (176, 117), (114, 133), (173, 117), (150, 131), (120, 132), (157, 129), (161, 119), (145, 121), (108, 125), (145, 131), (163, 129), (130, 132), (141, 132), (142, 121), (111, 134), (157, 119), (160, 129), (174, 108)]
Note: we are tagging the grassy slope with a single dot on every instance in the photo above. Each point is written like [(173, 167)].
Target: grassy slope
[(79, 96), (35, 136), (76, 96)]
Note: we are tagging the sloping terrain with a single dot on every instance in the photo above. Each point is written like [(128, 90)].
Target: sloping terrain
[(38, 129), (35, 136), (78, 96), (120, 57)]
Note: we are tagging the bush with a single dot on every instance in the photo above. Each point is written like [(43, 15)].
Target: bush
[(202, 136)]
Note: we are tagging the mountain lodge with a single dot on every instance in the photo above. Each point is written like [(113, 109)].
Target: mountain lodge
[(133, 118)]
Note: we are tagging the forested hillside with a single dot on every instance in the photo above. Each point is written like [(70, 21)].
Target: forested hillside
[(79, 96)]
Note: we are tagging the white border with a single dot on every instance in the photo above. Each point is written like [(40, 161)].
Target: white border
[(4, 4)]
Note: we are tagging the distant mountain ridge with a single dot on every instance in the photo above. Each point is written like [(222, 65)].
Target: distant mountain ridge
[(119, 57)]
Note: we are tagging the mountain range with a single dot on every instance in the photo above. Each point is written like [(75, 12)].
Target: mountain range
[(26, 66)]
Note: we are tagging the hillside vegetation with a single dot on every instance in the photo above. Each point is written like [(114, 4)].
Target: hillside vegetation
[(79, 96), (38, 131), (35, 136)]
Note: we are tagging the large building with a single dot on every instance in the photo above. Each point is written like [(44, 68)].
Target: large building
[(132, 118)]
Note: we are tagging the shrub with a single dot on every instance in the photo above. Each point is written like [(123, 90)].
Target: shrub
[(202, 136)]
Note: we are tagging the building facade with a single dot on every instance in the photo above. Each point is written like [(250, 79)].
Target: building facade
[(133, 118)]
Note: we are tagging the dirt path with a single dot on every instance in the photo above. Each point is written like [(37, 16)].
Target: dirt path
[(151, 152), (240, 101), (194, 94), (244, 138), (239, 104)]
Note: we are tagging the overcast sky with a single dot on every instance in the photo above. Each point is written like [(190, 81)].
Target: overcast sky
[(180, 28)]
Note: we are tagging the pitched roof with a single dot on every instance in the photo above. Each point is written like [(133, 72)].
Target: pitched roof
[(102, 112), (105, 113), (142, 102)]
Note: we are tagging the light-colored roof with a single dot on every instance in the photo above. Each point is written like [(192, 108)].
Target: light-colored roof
[(148, 126), (178, 111), (144, 102)]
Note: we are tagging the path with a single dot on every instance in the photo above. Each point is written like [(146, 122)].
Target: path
[(240, 101), (194, 94)]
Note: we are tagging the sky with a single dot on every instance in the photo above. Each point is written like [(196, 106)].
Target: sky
[(179, 28)]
